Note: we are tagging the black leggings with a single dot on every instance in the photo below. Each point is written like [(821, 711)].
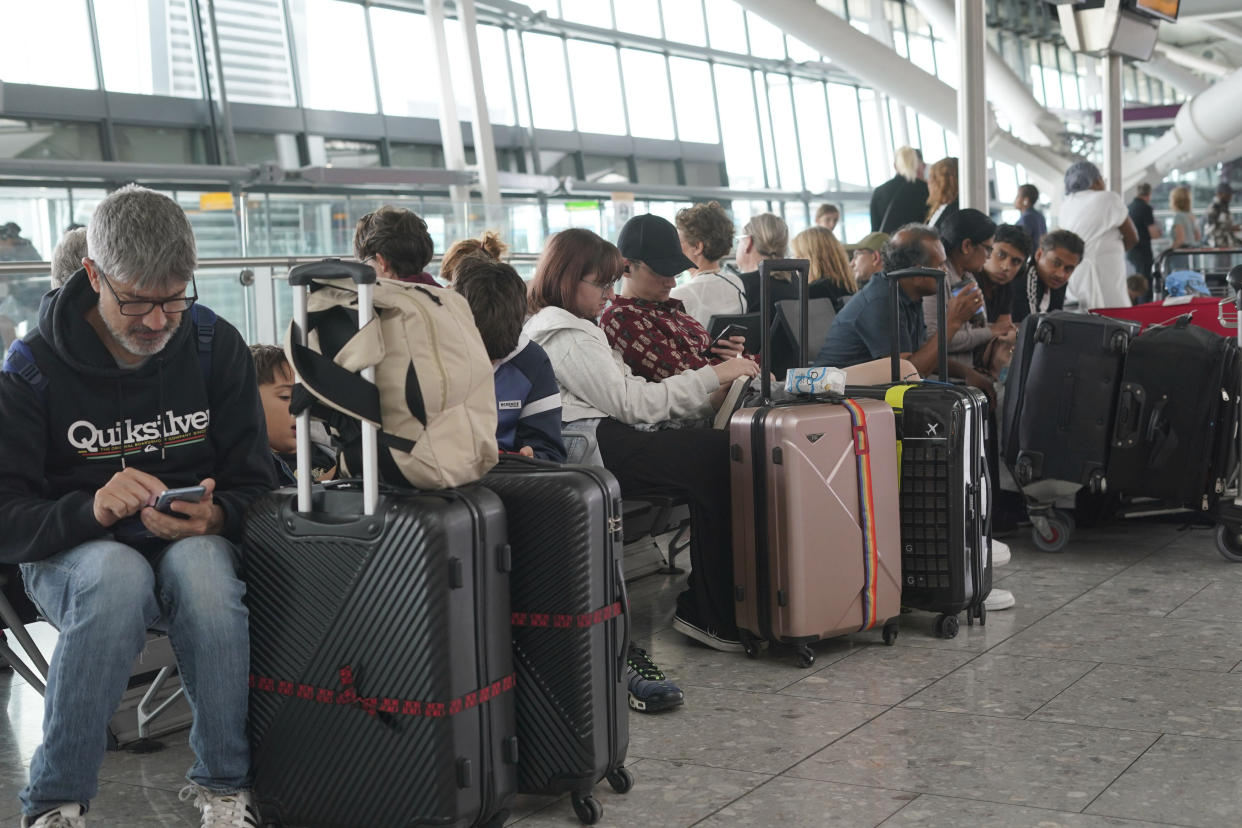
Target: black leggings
[(693, 464)]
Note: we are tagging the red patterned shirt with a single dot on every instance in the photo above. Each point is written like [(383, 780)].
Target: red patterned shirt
[(656, 339)]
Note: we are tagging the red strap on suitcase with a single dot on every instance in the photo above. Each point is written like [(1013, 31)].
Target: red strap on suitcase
[(866, 514), (566, 621)]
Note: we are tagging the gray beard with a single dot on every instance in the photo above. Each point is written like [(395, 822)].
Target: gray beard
[(132, 346)]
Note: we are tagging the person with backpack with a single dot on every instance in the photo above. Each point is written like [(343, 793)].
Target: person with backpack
[(126, 393)]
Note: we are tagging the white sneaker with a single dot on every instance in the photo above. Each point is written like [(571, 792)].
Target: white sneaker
[(222, 810), (1000, 553), (998, 599), (66, 816)]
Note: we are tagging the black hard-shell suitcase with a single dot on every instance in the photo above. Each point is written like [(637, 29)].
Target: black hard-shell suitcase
[(570, 627), (946, 564), (1174, 434), (381, 668), (1060, 397)]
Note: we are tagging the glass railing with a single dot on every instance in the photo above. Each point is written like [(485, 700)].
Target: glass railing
[(249, 292)]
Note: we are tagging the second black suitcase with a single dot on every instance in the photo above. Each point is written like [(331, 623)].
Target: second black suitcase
[(570, 627)]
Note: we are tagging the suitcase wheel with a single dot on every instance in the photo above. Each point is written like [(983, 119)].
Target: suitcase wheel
[(890, 633), (621, 780), (980, 612), (1120, 342), (1229, 542), (588, 809), (947, 626), (1051, 531), (750, 644), (806, 656)]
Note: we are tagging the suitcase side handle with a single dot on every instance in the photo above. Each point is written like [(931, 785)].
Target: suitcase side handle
[(1130, 404), (942, 315), (623, 651)]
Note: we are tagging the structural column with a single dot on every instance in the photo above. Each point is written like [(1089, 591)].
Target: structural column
[(484, 141), (1112, 123), (972, 113), (450, 125)]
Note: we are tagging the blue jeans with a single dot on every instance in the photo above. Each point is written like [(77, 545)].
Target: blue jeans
[(102, 596)]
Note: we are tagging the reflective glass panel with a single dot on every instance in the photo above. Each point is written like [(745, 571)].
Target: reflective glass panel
[(816, 138), (254, 48), (726, 26), (148, 48), (639, 16), (847, 135), (784, 132), (48, 43), (743, 154), (545, 61), (646, 94), (683, 21), (696, 109), (597, 87), (334, 63)]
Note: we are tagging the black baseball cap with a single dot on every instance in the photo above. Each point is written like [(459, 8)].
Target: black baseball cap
[(652, 239)]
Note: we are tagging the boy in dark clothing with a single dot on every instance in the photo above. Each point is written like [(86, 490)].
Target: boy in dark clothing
[(527, 397), (1041, 285), (276, 379)]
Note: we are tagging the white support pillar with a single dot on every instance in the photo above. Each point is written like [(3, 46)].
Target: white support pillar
[(1112, 123), (972, 112), (450, 126), (484, 141)]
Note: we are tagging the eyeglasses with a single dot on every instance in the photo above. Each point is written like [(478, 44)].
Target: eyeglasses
[(141, 307), (601, 285)]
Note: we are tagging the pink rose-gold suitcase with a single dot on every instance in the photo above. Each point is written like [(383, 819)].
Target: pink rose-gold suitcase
[(816, 525)]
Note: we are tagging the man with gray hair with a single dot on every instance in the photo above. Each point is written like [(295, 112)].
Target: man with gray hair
[(133, 442), (68, 255)]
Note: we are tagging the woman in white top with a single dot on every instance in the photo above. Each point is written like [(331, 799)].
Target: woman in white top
[(573, 282), (1099, 217), (706, 233)]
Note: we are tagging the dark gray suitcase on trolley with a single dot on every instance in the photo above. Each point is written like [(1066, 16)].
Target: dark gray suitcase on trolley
[(570, 627), (381, 666), (946, 564), (1059, 401)]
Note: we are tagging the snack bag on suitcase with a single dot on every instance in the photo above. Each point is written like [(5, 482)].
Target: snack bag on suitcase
[(945, 485), (1174, 434), (381, 666), (570, 627), (815, 538)]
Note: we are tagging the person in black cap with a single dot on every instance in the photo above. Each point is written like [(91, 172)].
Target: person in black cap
[(652, 331)]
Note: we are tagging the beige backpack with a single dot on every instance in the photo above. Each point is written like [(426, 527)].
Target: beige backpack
[(433, 399)]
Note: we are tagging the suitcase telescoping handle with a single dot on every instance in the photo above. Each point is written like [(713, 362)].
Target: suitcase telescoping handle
[(799, 270), (300, 279), (942, 315)]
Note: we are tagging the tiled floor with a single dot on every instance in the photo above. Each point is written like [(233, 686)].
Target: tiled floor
[(1110, 696)]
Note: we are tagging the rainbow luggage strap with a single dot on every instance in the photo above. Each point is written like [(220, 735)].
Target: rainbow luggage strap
[(866, 514)]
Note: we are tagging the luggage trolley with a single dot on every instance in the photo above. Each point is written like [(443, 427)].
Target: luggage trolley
[(1229, 509)]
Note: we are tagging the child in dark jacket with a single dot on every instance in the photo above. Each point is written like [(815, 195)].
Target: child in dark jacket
[(527, 398), (275, 377)]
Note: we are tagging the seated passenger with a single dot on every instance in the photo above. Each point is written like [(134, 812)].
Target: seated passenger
[(827, 217), (396, 243), (527, 399), (125, 409), (1041, 286), (1011, 247), (573, 282), (276, 379), (765, 236), (830, 269), (862, 330), (865, 257), (654, 335), (488, 245), (967, 236), (706, 233), (68, 255)]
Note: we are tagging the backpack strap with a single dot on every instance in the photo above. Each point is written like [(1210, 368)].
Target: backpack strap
[(20, 360), (866, 515), (204, 320)]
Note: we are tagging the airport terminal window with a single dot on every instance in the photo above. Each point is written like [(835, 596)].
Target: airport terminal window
[(517, 73), (639, 16), (646, 94), (343, 153), (656, 172), (847, 138), (591, 12), (702, 173), (496, 75), (875, 136), (47, 43), (148, 49), (742, 150), (607, 168), (60, 140), (334, 64), (816, 137), (254, 47), (696, 108), (255, 147), (766, 40), (597, 88), (414, 94), (545, 62), (726, 26), (765, 127), (683, 21), (416, 155), (800, 52), (159, 145), (785, 132)]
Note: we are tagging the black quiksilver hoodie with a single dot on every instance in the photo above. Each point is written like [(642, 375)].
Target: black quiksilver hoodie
[(94, 418)]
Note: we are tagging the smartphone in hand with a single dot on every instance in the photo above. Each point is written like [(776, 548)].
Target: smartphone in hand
[(731, 330), (191, 494)]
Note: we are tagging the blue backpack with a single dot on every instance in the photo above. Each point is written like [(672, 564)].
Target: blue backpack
[(20, 359)]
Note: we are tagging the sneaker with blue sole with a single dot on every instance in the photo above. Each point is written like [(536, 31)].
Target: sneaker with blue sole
[(650, 691)]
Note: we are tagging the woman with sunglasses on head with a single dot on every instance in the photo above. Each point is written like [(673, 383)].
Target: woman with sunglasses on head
[(599, 393)]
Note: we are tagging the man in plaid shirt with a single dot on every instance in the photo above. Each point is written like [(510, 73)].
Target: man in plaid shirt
[(652, 332)]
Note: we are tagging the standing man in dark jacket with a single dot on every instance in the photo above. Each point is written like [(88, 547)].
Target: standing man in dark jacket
[(902, 199), (1145, 222), (124, 391)]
